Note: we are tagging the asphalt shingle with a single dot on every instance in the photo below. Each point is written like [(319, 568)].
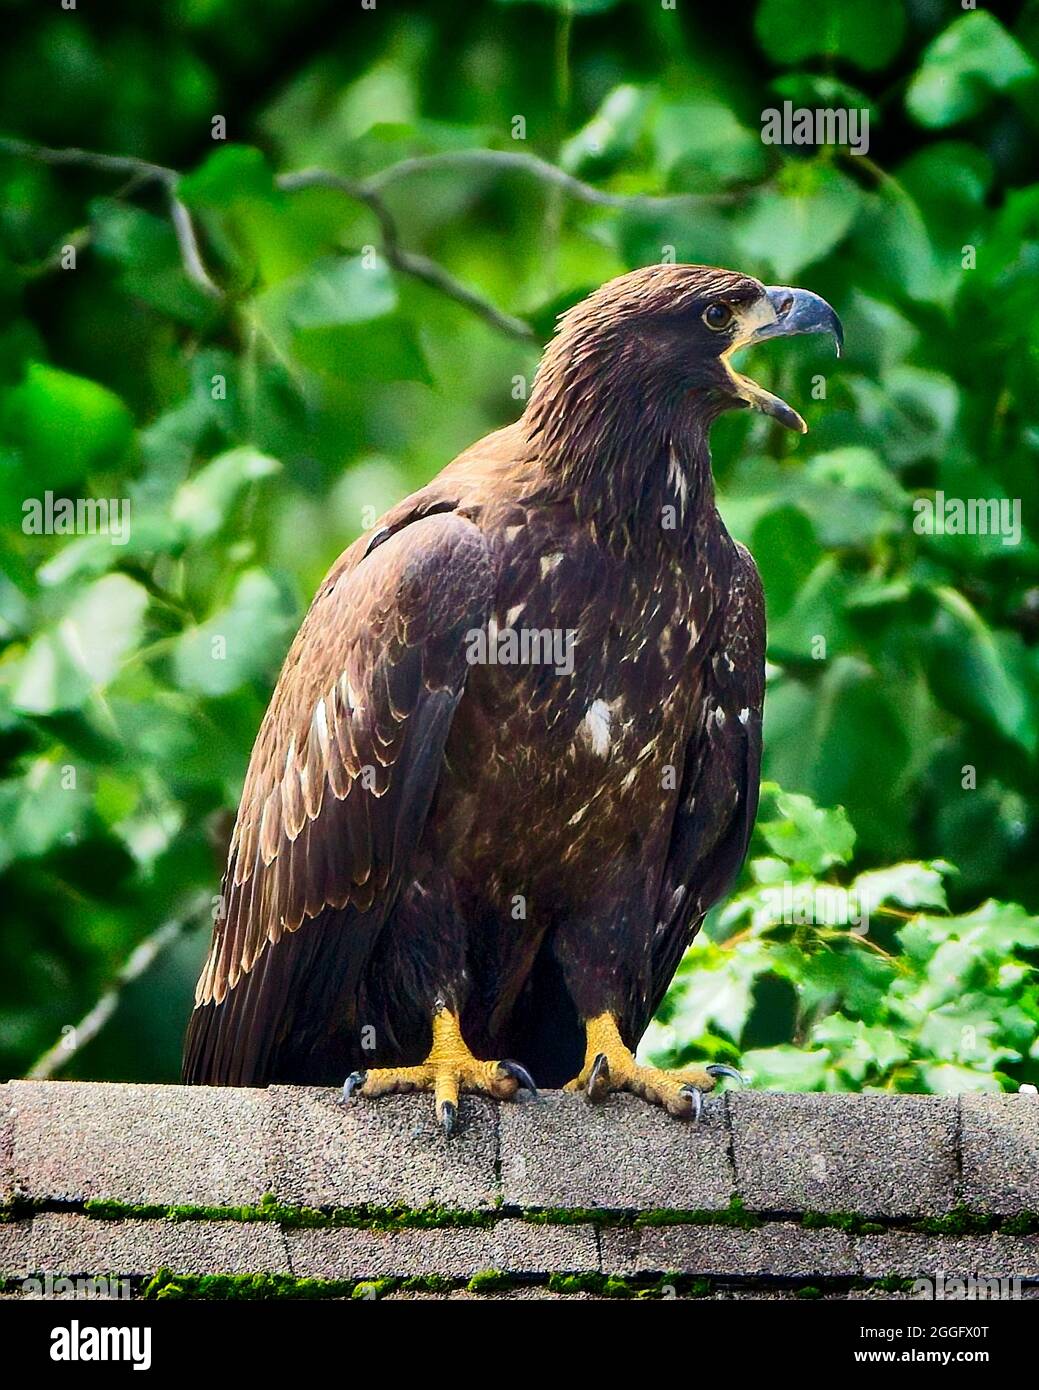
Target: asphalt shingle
[(76, 1140), (509, 1246), (895, 1158), (1000, 1153), (620, 1154), (909, 1255), (6, 1146), (778, 1250), (382, 1153), (876, 1155), (76, 1245)]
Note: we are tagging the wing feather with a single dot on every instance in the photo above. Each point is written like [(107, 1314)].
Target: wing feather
[(718, 798), (342, 773)]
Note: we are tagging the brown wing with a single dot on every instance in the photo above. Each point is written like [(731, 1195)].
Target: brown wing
[(340, 781), (719, 792)]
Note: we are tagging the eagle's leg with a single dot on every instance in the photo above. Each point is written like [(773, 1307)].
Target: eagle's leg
[(449, 1069), (610, 1066)]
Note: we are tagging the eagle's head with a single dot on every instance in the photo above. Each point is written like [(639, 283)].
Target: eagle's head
[(664, 331)]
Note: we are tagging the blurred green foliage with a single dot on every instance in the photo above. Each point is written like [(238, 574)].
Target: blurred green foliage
[(256, 430)]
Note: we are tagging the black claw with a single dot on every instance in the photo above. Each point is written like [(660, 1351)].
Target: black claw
[(598, 1079), (353, 1083), (448, 1118), (526, 1081), (720, 1069), (696, 1098)]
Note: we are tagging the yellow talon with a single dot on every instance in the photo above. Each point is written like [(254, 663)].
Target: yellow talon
[(610, 1066), (449, 1071)]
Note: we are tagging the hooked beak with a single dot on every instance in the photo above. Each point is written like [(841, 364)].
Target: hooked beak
[(782, 313)]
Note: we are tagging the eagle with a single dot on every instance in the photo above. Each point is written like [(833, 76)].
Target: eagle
[(513, 755)]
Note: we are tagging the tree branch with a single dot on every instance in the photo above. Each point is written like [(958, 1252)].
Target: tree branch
[(88, 159), (409, 262), (369, 192), (524, 162), (194, 267), (139, 171), (56, 1058)]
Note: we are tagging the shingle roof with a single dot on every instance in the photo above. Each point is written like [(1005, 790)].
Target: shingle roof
[(770, 1194)]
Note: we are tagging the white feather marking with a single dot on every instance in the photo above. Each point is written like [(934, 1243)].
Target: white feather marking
[(677, 480), (596, 727), (321, 727)]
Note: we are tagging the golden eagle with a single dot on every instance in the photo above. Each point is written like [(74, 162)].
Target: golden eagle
[(513, 755)]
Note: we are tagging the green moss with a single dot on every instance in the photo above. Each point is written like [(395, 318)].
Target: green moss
[(575, 1216), (1025, 1223), (846, 1221), (615, 1287), (242, 1287), (735, 1214), (427, 1283), (809, 1291), (369, 1217), (961, 1221), (373, 1289), (576, 1283), (489, 1281)]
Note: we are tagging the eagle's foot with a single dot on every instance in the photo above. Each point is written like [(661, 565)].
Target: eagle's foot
[(610, 1066), (449, 1071)]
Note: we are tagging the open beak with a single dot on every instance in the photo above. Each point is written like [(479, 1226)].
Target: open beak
[(781, 313)]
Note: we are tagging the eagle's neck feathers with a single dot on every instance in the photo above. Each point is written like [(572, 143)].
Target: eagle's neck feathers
[(625, 445)]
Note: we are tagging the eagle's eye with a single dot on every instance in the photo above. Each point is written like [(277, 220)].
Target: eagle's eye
[(717, 316)]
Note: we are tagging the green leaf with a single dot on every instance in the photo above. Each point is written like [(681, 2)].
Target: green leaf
[(867, 35), (787, 229), (231, 174), (859, 1049), (970, 674), (84, 652), (239, 643), (812, 837), (912, 885), (702, 144), (716, 990), (788, 1068), (961, 69), (338, 291), (202, 504), (65, 427), (946, 1079), (40, 810), (852, 497), (611, 133)]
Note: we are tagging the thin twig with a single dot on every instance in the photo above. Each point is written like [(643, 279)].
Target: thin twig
[(56, 1058), (524, 162), (190, 255), (139, 171), (422, 268), (88, 159), (409, 262), (369, 192)]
